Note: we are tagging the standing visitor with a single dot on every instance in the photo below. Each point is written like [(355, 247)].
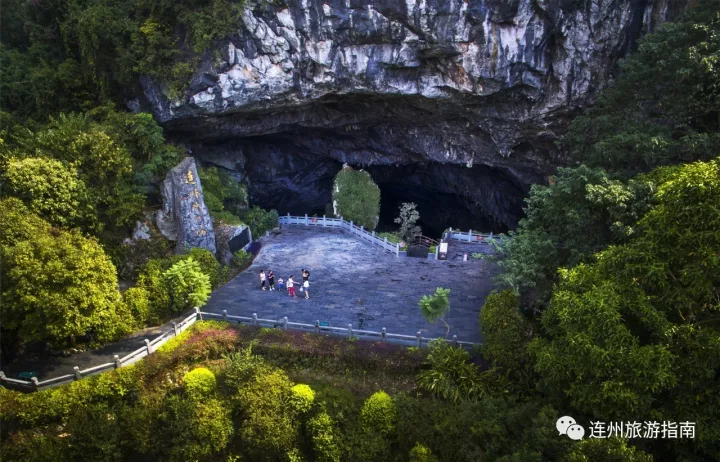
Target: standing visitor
[(262, 279), (305, 275), (271, 280), (306, 286), (291, 286), (281, 284)]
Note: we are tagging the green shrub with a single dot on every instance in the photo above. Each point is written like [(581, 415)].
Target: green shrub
[(433, 248), (356, 197), (268, 429), (407, 220), (50, 189), (60, 286), (208, 264), (241, 258), (222, 193), (137, 303), (228, 218), (188, 286), (324, 438), (607, 450), (506, 333), (18, 223), (392, 238), (260, 221), (422, 453), (379, 414), (199, 383), (450, 375), (302, 398)]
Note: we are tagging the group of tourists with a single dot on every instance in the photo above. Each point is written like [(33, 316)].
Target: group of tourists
[(267, 282)]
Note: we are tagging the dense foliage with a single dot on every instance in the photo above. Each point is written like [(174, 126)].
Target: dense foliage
[(356, 197), (147, 411), (261, 221), (69, 55)]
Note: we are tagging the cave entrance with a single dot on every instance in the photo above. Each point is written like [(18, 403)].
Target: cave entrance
[(448, 196)]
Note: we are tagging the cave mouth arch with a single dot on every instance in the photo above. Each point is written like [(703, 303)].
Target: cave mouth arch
[(292, 179)]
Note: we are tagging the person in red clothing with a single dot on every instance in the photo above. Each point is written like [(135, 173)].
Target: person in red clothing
[(291, 286)]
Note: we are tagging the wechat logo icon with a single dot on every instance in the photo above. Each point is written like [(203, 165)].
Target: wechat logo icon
[(567, 426)]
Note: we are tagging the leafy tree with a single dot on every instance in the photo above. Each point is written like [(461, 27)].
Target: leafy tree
[(582, 212), (635, 125), (188, 286), (650, 305), (408, 217), (222, 192), (60, 286), (356, 197), (50, 189), (506, 334), (436, 306), (261, 221)]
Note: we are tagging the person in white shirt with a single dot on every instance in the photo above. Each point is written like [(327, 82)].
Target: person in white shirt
[(291, 286), (262, 280), (306, 287)]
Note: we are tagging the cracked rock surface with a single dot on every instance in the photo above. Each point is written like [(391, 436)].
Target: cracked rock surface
[(488, 83)]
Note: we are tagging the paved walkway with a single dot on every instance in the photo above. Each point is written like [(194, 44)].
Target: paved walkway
[(348, 276)]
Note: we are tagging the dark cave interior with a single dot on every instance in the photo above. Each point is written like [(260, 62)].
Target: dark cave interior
[(292, 180)]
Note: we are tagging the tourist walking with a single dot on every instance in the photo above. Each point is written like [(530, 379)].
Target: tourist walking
[(262, 279), (306, 286), (291, 286), (281, 284), (271, 280), (305, 275)]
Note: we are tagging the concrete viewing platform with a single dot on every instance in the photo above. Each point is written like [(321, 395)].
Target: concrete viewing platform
[(349, 276)]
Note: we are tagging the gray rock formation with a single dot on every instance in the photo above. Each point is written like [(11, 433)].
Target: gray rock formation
[(184, 217), (225, 233), (314, 84)]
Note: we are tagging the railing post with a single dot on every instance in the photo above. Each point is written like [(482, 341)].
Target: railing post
[(490, 234), (419, 339), (117, 361), (350, 332), (362, 230), (225, 315), (386, 240), (78, 375), (198, 315), (384, 335), (324, 221), (36, 383), (455, 340), (147, 346), (469, 235), (450, 234), (285, 323), (255, 319), (397, 249), (351, 227), (317, 326), (373, 233), (306, 222), (175, 328)]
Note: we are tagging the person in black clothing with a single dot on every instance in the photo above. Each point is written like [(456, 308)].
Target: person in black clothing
[(271, 280), (305, 275)]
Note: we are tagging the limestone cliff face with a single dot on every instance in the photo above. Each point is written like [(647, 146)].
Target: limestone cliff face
[(390, 82)]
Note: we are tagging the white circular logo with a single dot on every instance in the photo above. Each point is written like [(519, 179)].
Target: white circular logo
[(563, 423)]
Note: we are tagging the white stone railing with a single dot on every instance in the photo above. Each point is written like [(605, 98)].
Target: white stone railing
[(326, 222), (469, 236), (34, 384), (150, 346)]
